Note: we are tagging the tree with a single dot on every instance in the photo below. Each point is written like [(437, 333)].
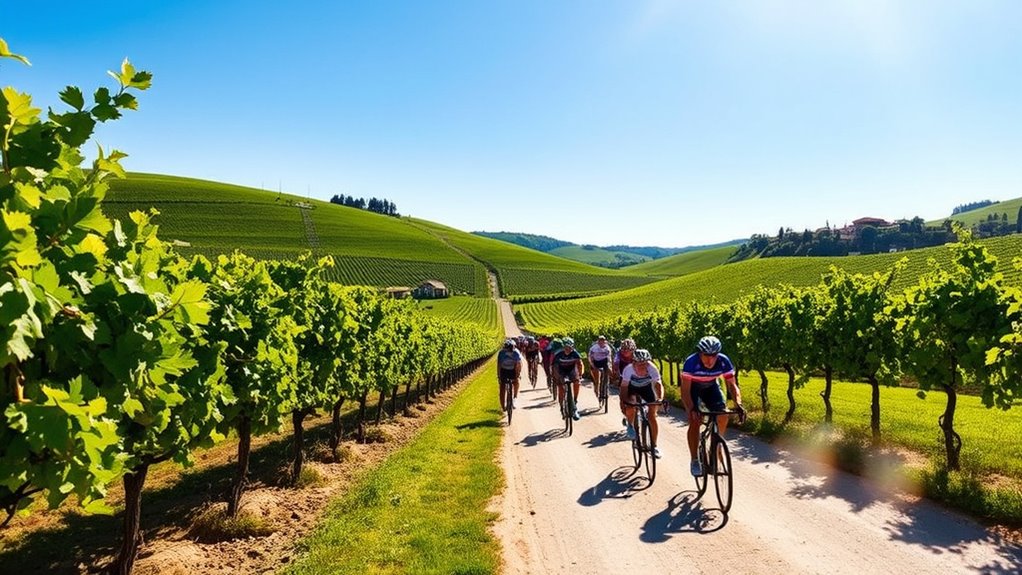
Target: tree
[(949, 320)]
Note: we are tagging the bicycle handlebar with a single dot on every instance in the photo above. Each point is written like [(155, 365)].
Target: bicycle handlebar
[(642, 403)]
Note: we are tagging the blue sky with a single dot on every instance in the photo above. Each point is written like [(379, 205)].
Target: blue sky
[(650, 122)]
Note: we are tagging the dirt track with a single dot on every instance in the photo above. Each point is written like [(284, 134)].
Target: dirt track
[(573, 505)]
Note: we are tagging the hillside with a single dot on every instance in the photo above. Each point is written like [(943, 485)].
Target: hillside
[(598, 256), (973, 217), (683, 263), (212, 218), (529, 273), (608, 256), (725, 283)]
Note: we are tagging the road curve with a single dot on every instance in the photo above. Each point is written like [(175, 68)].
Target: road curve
[(572, 505)]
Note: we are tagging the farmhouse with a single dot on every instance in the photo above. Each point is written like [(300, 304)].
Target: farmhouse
[(398, 292), (431, 289), (851, 232)]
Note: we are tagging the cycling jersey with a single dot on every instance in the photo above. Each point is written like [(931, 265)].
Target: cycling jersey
[(622, 362), (507, 360), (699, 373), (566, 362), (598, 352), (632, 378)]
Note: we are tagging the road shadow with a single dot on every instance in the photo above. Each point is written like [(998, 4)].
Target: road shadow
[(547, 403), (683, 514), (480, 423), (534, 439), (618, 484), (604, 439)]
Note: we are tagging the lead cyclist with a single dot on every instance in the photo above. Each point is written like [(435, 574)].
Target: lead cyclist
[(699, 382)]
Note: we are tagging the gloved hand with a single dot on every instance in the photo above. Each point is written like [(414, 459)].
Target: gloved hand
[(742, 414)]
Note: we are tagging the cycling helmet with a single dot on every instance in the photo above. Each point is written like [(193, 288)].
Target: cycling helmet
[(709, 345), (568, 342), (628, 344), (509, 343), (642, 355), (530, 340)]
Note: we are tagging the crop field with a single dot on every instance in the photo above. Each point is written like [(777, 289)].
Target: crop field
[(480, 311), (369, 249), (598, 256), (682, 264), (529, 272), (725, 283)]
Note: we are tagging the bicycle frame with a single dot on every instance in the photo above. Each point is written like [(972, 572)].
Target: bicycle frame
[(643, 444), (719, 464)]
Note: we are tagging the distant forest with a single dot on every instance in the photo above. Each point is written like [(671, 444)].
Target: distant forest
[(379, 206), (971, 206)]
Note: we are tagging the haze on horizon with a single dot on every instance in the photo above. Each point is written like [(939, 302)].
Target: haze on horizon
[(655, 122)]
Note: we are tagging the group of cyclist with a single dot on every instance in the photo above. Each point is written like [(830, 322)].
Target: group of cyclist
[(639, 378)]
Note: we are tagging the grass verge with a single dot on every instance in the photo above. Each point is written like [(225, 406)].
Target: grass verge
[(424, 509)]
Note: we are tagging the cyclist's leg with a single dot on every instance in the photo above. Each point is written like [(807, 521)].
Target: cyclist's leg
[(714, 400), (594, 375), (695, 421), (576, 384)]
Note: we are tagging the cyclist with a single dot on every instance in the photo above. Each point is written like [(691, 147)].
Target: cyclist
[(567, 365), (544, 353), (509, 366), (623, 358), (698, 377), (642, 378), (551, 350), (599, 357), (531, 354)]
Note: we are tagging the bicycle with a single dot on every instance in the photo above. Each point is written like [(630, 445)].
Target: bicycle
[(643, 444), (508, 387), (604, 391), (711, 441), (533, 371), (568, 403)]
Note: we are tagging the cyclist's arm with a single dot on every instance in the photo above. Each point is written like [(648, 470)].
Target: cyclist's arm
[(732, 384), (686, 391)]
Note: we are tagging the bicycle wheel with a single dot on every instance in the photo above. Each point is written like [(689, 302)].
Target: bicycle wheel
[(647, 448), (509, 399), (569, 412), (532, 374), (605, 390), (636, 446), (702, 480), (722, 475)]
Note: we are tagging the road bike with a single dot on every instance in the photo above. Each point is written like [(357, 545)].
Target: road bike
[(604, 391), (507, 385), (568, 403), (719, 467), (643, 444)]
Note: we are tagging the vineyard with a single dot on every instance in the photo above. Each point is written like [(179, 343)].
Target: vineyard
[(684, 263), (725, 283), (120, 354), (460, 309), (955, 328)]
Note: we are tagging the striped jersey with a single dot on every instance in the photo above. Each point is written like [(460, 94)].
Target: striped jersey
[(699, 373)]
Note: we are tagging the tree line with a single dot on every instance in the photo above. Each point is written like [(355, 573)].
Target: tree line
[(118, 353), (378, 206), (959, 327)]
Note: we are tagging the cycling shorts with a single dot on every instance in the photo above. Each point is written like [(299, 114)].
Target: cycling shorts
[(601, 363), (644, 391), (571, 375), (531, 355), (710, 395), (507, 375)]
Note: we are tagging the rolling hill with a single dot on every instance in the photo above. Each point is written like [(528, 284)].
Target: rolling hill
[(371, 249), (683, 263), (973, 217), (725, 283)]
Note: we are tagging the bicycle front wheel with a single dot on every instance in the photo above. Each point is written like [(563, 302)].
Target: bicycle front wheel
[(647, 448), (722, 476), (509, 399), (636, 446), (605, 391), (569, 412)]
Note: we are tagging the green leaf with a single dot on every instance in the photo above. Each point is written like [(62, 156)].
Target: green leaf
[(72, 96), (132, 406), (5, 52)]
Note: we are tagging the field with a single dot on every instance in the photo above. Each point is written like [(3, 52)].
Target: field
[(725, 283), (480, 311), (684, 263), (598, 256), (973, 217), (522, 271), (211, 218)]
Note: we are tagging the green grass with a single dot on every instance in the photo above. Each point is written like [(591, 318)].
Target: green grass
[(973, 217), (685, 263), (598, 256), (523, 271), (480, 311), (371, 249), (424, 509), (724, 283)]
